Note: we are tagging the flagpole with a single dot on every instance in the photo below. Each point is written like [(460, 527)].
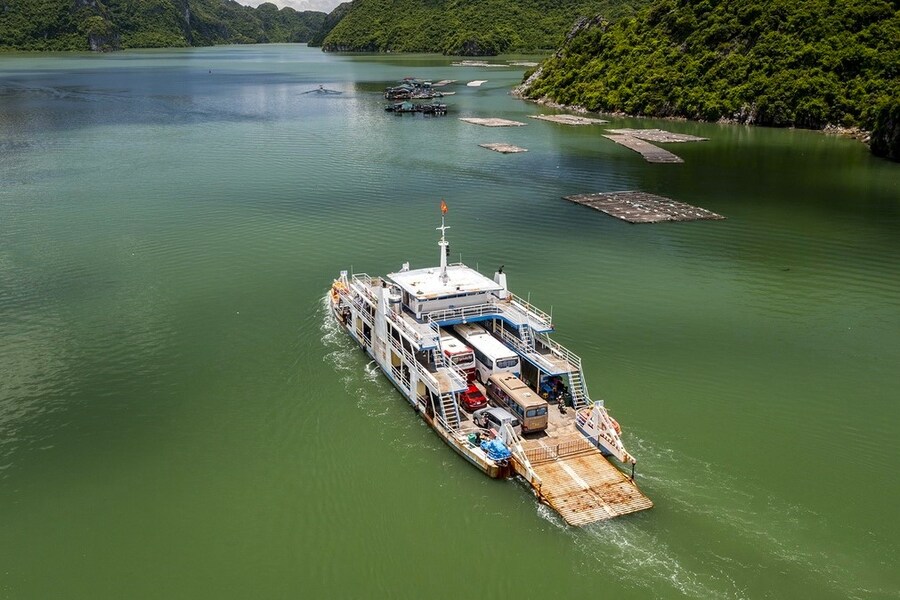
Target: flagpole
[(443, 243)]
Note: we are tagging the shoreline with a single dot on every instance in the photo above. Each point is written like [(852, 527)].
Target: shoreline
[(856, 133)]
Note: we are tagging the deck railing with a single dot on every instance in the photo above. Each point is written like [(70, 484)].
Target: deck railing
[(463, 312), (561, 450), (561, 351), (531, 310), (516, 343), (400, 322), (496, 307), (457, 375)]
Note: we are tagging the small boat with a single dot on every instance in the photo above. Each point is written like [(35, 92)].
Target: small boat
[(323, 90), (406, 106)]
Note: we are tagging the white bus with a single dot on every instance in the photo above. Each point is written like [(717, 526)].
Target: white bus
[(459, 354), (491, 356)]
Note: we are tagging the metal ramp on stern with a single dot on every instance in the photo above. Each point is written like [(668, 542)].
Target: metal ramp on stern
[(579, 483)]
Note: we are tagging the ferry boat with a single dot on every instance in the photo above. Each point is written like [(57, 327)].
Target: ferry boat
[(400, 319)]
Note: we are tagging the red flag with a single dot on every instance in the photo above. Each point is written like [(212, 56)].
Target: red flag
[(443, 207)]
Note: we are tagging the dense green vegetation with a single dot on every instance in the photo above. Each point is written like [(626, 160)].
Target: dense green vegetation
[(111, 24), (886, 131), (804, 63), (333, 18), (463, 27)]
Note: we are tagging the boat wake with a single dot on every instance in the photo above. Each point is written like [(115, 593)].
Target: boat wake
[(723, 508), (347, 360), (661, 552)]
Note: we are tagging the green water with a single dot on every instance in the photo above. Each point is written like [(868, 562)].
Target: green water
[(178, 418)]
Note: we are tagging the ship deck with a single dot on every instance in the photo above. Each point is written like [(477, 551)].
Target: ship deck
[(576, 480)]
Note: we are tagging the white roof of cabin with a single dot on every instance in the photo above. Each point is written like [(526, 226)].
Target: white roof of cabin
[(426, 284)]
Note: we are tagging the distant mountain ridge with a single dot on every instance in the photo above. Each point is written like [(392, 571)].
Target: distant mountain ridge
[(461, 27), (114, 24)]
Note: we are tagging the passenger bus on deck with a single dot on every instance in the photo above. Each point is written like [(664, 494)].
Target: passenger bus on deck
[(491, 356), (510, 392), (459, 354)]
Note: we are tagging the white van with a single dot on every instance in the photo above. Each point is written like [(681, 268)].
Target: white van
[(493, 417)]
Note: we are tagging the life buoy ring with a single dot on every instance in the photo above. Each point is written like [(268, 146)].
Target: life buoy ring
[(616, 426)]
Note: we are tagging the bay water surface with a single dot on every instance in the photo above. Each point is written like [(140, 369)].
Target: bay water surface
[(179, 418)]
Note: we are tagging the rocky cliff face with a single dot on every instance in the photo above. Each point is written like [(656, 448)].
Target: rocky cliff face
[(582, 24), (885, 139)]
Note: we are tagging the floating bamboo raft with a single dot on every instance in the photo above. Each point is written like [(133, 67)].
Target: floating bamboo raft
[(639, 141), (641, 207), (657, 135), (650, 152), (568, 119), (493, 122), (504, 148)]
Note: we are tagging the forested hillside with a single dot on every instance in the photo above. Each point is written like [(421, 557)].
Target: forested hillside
[(112, 24), (333, 18), (463, 27), (804, 63)]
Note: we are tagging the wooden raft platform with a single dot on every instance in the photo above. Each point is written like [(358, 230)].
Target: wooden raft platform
[(651, 153), (568, 119), (492, 122), (641, 207), (579, 483), (658, 135), (504, 148)]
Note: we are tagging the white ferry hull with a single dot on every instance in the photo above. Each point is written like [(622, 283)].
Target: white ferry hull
[(493, 469)]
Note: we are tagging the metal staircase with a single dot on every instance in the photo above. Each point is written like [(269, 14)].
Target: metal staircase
[(577, 388), (449, 407), (526, 337), (450, 410), (437, 357)]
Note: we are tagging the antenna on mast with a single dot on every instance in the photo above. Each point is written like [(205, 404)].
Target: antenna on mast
[(443, 243)]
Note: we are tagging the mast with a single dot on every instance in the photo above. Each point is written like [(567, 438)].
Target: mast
[(443, 246)]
